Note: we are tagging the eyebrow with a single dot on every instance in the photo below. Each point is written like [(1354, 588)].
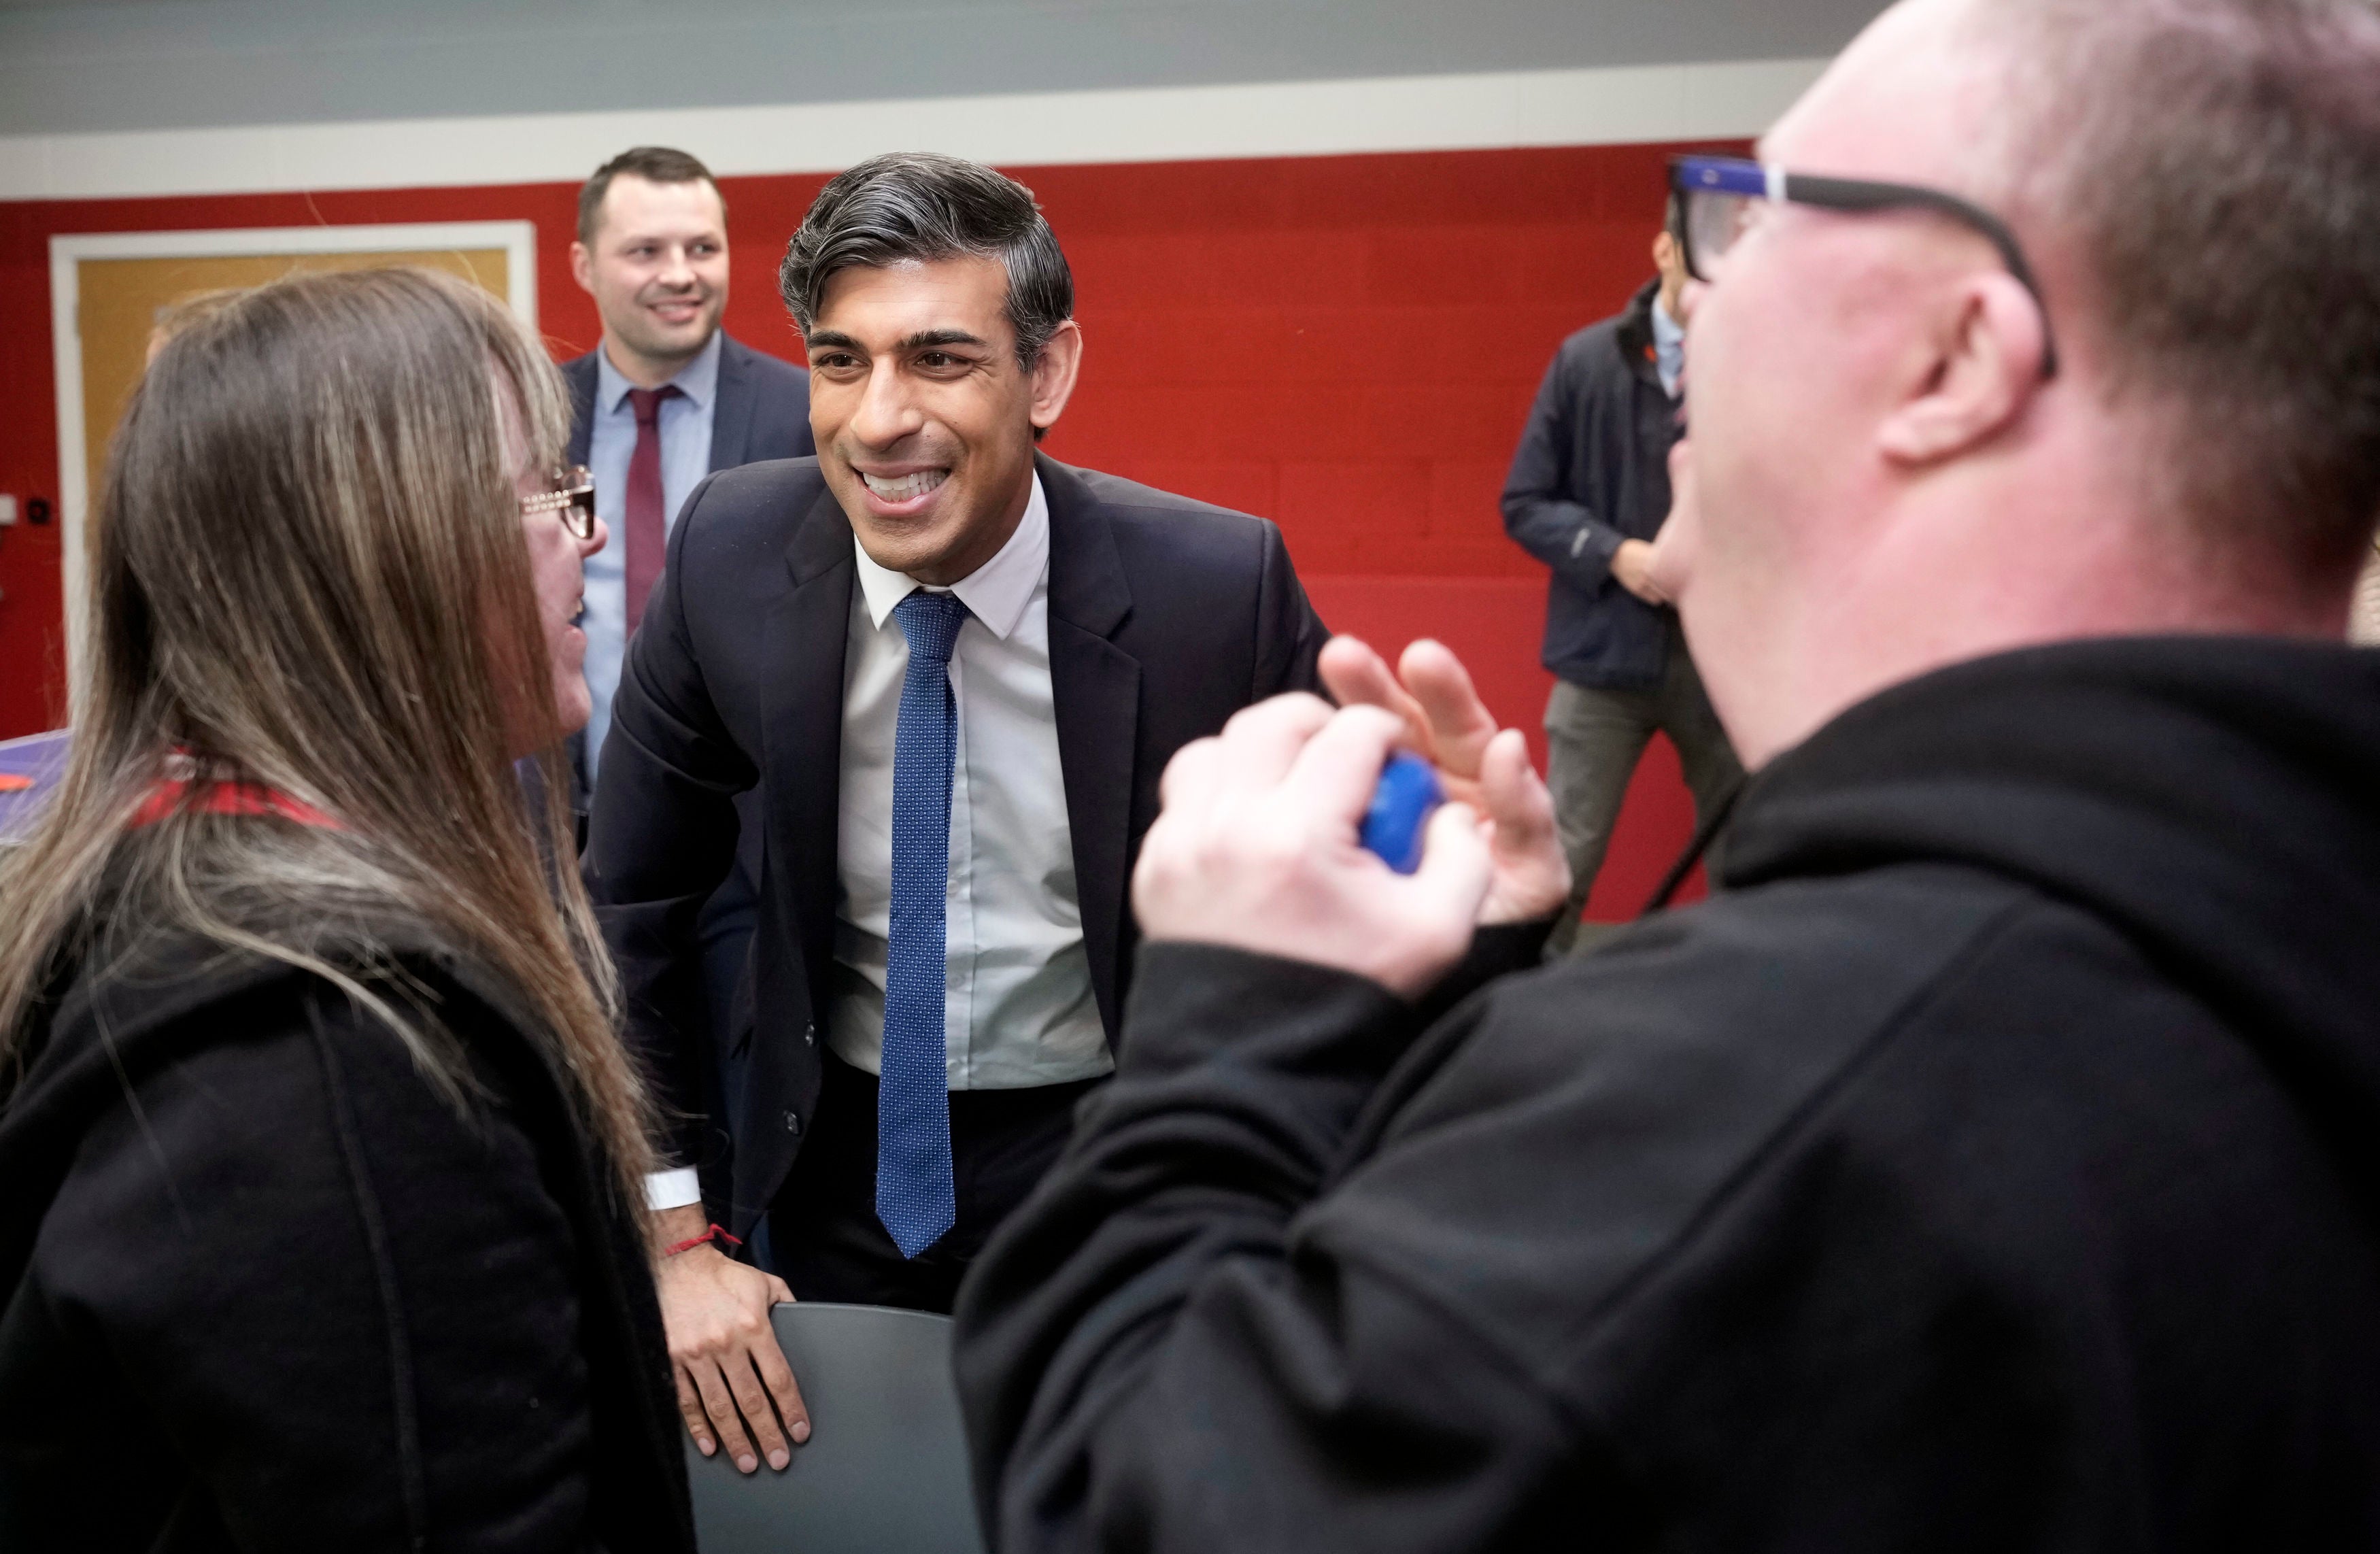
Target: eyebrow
[(923, 339)]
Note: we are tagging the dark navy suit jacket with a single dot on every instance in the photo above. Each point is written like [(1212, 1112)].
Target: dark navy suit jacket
[(763, 411), (1166, 616)]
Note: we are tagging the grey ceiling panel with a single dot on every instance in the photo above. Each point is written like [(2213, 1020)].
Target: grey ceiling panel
[(120, 64)]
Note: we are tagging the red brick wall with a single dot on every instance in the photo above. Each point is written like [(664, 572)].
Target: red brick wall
[(1346, 344)]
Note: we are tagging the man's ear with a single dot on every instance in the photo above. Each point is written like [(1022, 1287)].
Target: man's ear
[(1984, 368), (1053, 375), (1665, 251), (582, 268)]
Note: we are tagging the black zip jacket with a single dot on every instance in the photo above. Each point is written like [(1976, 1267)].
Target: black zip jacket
[(262, 1288), (1592, 469), (1991, 1166)]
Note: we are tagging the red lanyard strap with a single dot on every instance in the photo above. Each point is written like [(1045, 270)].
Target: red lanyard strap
[(221, 796)]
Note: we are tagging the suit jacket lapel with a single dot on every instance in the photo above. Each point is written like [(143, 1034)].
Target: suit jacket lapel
[(803, 641), (731, 409), (1095, 686), (579, 373)]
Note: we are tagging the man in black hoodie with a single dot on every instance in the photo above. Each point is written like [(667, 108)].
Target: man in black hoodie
[(1993, 1164)]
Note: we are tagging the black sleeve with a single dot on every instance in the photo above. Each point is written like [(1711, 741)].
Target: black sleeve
[(1289, 634), (662, 837), (1540, 512), (1154, 1353), (345, 1304)]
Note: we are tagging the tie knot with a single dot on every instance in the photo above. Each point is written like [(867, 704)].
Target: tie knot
[(647, 403), (930, 622)]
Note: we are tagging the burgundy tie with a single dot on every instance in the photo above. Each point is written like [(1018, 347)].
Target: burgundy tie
[(648, 524)]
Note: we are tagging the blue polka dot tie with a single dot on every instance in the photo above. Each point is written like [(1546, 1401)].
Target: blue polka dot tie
[(915, 1197)]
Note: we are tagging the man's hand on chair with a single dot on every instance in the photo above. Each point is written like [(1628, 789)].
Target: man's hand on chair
[(731, 1375)]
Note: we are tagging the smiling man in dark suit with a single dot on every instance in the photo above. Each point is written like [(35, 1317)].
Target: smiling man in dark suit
[(666, 399), (953, 670)]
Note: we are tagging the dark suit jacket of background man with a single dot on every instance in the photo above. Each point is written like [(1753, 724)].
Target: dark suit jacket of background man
[(763, 412), (1166, 616)]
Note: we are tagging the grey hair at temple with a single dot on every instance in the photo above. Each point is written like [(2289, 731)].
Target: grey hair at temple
[(923, 207), (2212, 169)]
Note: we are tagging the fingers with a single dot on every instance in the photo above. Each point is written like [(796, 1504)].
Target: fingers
[(1261, 743), (1532, 875), (752, 1399), (1359, 677), (1455, 869), (1337, 769), (719, 1406), (1193, 775), (1510, 793), (1458, 723), (689, 1407), (784, 1391)]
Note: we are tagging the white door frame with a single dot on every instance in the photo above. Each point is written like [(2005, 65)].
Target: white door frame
[(517, 238)]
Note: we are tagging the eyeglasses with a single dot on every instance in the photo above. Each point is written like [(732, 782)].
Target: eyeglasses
[(571, 500), (1715, 196)]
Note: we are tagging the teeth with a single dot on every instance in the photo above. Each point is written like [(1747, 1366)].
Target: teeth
[(907, 486)]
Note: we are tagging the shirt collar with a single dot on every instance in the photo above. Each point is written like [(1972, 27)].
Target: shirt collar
[(995, 593), (1666, 331), (697, 380)]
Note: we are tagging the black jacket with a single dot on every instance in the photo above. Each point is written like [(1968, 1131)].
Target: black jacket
[(1592, 469), (1166, 616), (265, 1289), (1994, 1165)]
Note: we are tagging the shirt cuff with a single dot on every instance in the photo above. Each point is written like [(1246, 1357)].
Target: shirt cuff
[(671, 1189)]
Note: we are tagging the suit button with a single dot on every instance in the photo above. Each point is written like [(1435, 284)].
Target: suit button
[(809, 1035), (793, 1122)]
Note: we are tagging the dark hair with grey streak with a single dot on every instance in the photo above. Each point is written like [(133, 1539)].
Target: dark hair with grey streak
[(916, 205), (2214, 167), (655, 165)]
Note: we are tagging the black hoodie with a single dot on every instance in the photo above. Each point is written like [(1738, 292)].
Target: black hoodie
[(1990, 1166)]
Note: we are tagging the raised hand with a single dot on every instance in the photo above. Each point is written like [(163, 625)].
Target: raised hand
[(1483, 767), (1256, 849)]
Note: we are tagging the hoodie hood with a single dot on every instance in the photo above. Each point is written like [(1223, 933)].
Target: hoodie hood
[(2213, 799)]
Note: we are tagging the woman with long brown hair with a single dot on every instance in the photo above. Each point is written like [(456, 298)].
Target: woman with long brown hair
[(317, 1146)]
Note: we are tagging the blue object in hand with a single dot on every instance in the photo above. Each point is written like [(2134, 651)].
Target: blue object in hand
[(1403, 802)]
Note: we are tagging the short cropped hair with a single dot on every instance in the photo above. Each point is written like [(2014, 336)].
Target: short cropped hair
[(659, 164), (2216, 164), (917, 205)]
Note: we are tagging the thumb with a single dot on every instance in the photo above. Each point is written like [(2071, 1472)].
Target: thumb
[(1455, 868)]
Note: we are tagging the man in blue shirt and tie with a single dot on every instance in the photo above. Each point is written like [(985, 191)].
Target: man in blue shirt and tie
[(665, 399)]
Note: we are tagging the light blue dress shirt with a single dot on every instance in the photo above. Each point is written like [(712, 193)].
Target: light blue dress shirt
[(1668, 350), (686, 459), (1017, 1002)]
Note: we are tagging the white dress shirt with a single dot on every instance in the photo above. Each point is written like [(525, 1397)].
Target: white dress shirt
[(1018, 1008), (685, 423)]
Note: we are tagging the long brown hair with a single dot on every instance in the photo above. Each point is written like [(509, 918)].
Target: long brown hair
[(307, 565)]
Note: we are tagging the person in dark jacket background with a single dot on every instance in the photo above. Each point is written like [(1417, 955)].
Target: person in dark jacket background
[(1991, 1165), (1587, 494), (322, 1222)]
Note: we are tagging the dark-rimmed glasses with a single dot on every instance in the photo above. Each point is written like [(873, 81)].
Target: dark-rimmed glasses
[(1716, 195), (571, 500)]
